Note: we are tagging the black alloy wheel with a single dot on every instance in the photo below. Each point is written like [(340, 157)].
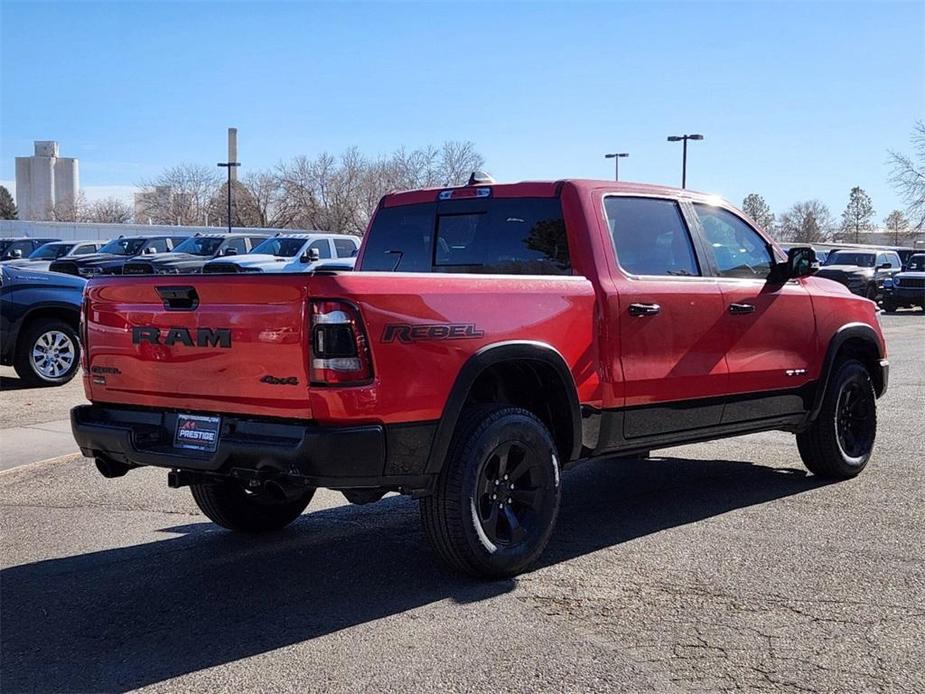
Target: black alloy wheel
[(511, 482), (854, 425)]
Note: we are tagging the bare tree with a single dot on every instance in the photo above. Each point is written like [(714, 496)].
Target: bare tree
[(263, 201), (340, 193), (457, 162), (70, 210), (908, 176), (858, 215), (897, 226), (329, 192), (180, 195), (108, 211), (806, 222)]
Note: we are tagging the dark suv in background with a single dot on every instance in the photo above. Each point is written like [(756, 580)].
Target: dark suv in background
[(21, 247), (45, 255), (906, 288), (193, 253), (115, 254), (863, 272)]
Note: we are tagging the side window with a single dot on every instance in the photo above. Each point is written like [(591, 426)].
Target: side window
[(238, 245), (324, 248), (256, 241), (344, 248), (399, 239), (650, 236), (881, 259), (737, 249), (517, 236), (895, 262), (24, 247), (84, 249), (159, 245)]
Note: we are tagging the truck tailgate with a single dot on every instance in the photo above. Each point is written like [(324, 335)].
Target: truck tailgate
[(210, 344)]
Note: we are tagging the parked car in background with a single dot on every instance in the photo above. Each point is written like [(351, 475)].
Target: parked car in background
[(39, 317), (44, 256), (863, 272), (195, 251), (20, 247), (906, 289), (111, 257), (289, 253)]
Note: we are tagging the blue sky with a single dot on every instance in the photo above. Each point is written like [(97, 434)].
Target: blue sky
[(796, 100)]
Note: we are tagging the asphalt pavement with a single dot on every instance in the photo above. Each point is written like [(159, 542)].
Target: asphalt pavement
[(712, 567)]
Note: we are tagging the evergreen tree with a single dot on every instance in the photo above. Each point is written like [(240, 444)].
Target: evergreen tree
[(7, 206), (858, 216), (897, 225), (755, 207)]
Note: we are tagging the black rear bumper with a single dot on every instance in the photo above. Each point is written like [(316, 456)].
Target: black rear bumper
[(337, 457)]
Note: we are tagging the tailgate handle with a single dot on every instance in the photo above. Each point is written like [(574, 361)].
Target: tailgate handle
[(179, 298)]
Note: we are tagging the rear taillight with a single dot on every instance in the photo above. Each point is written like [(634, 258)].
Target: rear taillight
[(339, 350), (82, 330)]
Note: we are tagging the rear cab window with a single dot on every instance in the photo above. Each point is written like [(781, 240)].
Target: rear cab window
[(521, 236)]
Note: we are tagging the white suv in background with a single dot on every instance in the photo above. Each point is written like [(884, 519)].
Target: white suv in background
[(289, 253)]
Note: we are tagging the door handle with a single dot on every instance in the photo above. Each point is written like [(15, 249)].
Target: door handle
[(644, 309), (741, 308)]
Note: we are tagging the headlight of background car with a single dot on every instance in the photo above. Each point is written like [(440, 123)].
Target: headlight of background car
[(887, 282)]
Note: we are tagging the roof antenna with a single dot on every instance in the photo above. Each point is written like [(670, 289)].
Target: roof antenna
[(479, 177)]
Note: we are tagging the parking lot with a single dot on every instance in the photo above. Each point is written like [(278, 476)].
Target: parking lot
[(709, 567)]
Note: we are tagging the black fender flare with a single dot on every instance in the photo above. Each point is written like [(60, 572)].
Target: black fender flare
[(849, 331), (491, 355)]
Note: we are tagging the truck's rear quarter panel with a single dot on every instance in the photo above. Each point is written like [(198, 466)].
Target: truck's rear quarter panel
[(413, 379)]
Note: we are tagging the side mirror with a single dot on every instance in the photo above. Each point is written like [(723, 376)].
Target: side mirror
[(15, 254), (801, 262), (884, 266), (230, 251), (312, 255), (149, 250)]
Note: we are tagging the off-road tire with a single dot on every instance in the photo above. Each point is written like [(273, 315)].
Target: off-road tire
[(819, 446), (451, 515), (27, 342), (229, 505)]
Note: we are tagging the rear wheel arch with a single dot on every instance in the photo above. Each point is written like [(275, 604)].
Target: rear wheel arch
[(67, 313), (531, 375), (852, 341)]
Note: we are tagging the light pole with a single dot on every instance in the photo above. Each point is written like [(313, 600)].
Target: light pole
[(616, 156), (229, 165), (684, 138)]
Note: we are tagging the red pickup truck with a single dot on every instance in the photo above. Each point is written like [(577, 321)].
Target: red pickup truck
[(491, 336)]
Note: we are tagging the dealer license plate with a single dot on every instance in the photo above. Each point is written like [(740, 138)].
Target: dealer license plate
[(196, 432)]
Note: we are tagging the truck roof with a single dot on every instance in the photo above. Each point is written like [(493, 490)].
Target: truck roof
[(542, 189)]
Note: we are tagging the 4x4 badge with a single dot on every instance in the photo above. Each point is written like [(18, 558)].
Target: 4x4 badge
[(274, 381)]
